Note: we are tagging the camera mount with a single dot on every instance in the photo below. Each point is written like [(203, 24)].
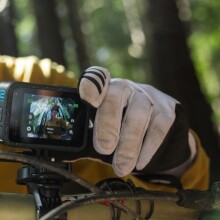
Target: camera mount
[(43, 185)]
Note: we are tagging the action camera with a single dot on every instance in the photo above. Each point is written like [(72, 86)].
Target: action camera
[(42, 117)]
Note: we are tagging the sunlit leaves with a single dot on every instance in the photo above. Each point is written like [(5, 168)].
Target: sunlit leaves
[(205, 47)]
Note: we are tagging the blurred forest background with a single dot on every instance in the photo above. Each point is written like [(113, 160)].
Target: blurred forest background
[(172, 44)]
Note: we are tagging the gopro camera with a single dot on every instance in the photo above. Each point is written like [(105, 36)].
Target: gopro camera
[(42, 117)]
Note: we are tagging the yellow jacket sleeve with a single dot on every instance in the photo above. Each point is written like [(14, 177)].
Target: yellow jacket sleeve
[(196, 177), (31, 69)]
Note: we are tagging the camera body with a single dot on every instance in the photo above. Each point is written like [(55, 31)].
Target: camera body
[(42, 117)]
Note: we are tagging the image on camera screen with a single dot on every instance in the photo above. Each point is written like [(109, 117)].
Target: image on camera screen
[(49, 117)]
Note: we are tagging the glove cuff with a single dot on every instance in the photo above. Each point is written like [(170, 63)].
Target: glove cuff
[(179, 170)]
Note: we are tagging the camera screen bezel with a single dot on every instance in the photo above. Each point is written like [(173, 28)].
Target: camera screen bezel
[(14, 138)]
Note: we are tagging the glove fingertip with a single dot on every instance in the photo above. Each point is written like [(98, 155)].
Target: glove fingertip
[(121, 172), (121, 166), (93, 85), (142, 162), (139, 166), (104, 147)]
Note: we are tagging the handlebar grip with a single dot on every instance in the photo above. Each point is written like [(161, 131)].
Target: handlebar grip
[(195, 199)]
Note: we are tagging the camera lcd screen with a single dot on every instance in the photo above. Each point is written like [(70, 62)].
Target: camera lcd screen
[(46, 117)]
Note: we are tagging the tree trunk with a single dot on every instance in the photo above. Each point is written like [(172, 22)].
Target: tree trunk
[(50, 40), (75, 23), (174, 73), (8, 42)]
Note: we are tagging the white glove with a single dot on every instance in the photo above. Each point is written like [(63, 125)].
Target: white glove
[(132, 120)]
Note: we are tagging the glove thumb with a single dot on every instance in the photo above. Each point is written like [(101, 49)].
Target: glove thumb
[(93, 85)]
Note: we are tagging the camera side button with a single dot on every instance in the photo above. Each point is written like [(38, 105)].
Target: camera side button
[(1, 111), (1, 135)]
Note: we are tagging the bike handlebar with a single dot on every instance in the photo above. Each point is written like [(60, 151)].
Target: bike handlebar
[(22, 207)]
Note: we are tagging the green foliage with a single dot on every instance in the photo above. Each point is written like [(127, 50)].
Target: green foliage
[(106, 30), (205, 47), (26, 28), (108, 37)]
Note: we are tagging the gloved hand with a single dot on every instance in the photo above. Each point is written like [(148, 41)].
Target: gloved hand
[(145, 129)]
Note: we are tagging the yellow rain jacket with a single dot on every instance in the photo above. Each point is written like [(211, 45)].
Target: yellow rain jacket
[(31, 69)]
